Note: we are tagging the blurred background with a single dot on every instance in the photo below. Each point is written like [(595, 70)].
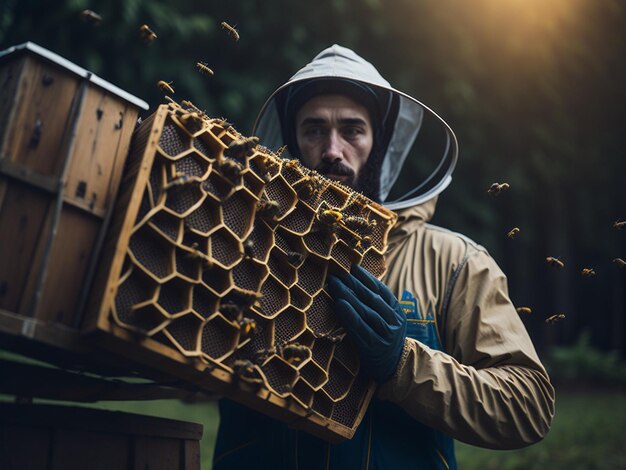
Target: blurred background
[(534, 90)]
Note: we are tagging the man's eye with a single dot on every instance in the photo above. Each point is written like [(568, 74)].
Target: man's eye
[(314, 131), (352, 131)]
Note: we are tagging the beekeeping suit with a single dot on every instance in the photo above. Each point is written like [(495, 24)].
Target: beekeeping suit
[(468, 369)]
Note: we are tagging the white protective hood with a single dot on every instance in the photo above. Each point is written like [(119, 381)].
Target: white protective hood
[(440, 153)]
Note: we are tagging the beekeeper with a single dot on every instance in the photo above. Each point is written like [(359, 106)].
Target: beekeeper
[(439, 334)]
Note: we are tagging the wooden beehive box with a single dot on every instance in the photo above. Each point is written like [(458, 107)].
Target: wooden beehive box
[(216, 267), (64, 138)]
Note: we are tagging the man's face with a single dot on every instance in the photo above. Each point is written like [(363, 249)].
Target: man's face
[(335, 137)]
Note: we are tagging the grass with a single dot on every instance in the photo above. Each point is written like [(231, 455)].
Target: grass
[(587, 432)]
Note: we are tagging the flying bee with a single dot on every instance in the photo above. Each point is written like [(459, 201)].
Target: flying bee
[(524, 310), (267, 209), (91, 17), (513, 232), (165, 86), (239, 148), (295, 353), (247, 327), (147, 34), (361, 243), (231, 310), (232, 32), (588, 272), (196, 254), (555, 262), (247, 372), (555, 318), (231, 169), (496, 188), (280, 151), (620, 262), (619, 224), (204, 68)]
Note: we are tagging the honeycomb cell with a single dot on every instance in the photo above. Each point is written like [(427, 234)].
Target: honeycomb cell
[(157, 181), (334, 196), (346, 354), (205, 219), (339, 381), (152, 253), (322, 404), (374, 262), (312, 275), (259, 348), (275, 298), (193, 165), (204, 302), (175, 296), (148, 318), (184, 199), (280, 268), (184, 333), (346, 411), (249, 274), (261, 240), (145, 206), (207, 146), (323, 350), (303, 393), (189, 264), (315, 376), (136, 287), (299, 220), (238, 212), (263, 167), (167, 224), (320, 317), (253, 183), (217, 279), (280, 375), (299, 299), (291, 245), (288, 325), (173, 140), (320, 242), (219, 338), (306, 338), (218, 187), (279, 190), (343, 256), (226, 250)]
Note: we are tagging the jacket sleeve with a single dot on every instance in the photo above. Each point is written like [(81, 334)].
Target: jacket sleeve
[(490, 389)]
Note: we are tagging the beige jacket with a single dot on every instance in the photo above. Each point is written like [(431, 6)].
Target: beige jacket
[(490, 388)]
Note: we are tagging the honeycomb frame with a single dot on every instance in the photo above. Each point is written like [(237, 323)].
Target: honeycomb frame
[(219, 252)]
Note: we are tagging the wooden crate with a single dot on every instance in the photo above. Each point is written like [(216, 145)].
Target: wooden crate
[(215, 268), (64, 138), (47, 437)]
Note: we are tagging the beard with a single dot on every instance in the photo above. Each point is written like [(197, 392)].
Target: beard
[(337, 169)]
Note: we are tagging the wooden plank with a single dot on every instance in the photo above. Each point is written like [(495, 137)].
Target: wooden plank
[(37, 134), (22, 218), (69, 258), (157, 454), (114, 251), (23, 447), (96, 162), (10, 74), (192, 455), (78, 450), (96, 420)]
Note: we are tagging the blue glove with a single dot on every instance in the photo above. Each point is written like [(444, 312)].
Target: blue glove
[(373, 318)]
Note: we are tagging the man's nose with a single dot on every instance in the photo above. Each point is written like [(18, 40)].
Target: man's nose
[(333, 151)]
